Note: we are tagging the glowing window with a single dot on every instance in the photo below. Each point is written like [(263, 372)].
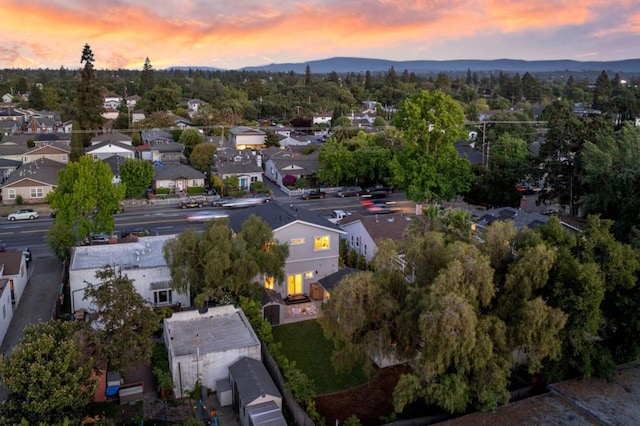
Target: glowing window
[(296, 241), (308, 274), (268, 283), (321, 243), (294, 284)]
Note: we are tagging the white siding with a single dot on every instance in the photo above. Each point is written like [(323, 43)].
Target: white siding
[(6, 311)]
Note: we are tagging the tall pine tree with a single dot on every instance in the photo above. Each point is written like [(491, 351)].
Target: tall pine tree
[(89, 104)]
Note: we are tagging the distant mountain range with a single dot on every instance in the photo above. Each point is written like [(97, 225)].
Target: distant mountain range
[(361, 65)]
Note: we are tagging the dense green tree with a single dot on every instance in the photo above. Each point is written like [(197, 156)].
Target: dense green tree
[(161, 98), (85, 186), (48, 375), (147, 77), (136, 176), (609, 172), (202, 157), (190, 137), (36, 99), (89, 101), (337, 163), (427, 166), (127, 322), (122, 121), (60, 239), (216, 263), (602, 92)]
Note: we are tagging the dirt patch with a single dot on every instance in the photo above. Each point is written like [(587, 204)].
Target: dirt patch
[(369, 402)]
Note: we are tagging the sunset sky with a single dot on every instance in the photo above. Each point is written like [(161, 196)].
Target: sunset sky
[(233, 34)]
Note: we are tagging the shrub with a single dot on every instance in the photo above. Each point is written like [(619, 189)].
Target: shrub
[(195, 190), (302, 183), (19, 200), (289, 180), (163, 191), (257, 187), (308, 149)]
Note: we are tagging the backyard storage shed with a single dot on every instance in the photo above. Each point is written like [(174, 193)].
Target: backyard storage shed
[(255, 396), (204, 345)]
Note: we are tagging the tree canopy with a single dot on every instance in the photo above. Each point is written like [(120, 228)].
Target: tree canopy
[(49, 377), (136, 176)]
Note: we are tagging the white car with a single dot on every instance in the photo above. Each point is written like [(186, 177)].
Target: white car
[(23, 214)]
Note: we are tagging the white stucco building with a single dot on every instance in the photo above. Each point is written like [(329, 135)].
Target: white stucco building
[(205, 345), (142, 261)]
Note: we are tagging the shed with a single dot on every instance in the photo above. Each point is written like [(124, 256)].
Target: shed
[(225, 396), (255, 395)]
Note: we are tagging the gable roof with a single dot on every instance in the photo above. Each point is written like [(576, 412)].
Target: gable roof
[(109, 143), (161, 147), (299, 165), (330, 281), (49, 149), (391, 226), (520, 217), (115, 136), (244, 130), (11, 261), (253, 380), (277, 216), (114, 162), (155, 134), (43, 171), (174, 171)]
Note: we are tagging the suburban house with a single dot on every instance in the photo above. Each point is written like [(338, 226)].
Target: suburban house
[(7, 167), (13, 268), (313, 254), (323, 118), (115, 162), (7, 98), (255, 396), (294, 140), (177, 177), (142, 261), (246, 165), (362, 232), (109, 148), (202, 345), (6, 307), (242, 137), (41, 125), (13, 147), (113, 137), (59, 153), (285, 162), (156, 137), (57, 139), (32, 181), (161, 152)]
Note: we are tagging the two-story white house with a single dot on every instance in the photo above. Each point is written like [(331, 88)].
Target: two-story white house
[(142, 261), (108, 148), (242, 137), (313, 254)]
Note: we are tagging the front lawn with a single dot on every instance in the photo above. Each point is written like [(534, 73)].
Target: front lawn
[(304, 343)]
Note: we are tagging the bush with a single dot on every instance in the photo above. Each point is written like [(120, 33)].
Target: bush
[(163, 191), (257, 187), (302, 183), (19, 200), (195, 190), (289, 180)]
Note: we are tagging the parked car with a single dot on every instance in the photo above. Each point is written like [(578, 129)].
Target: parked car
[(193, 201), (99, 238), (222, 201), (376, 191), (349, 191), (139, 232), (23, 214), (313, 193)]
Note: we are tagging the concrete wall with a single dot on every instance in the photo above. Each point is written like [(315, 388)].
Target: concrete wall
[(212, 367)]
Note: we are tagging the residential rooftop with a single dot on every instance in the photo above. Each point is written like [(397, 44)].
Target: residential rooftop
[(220, 328)]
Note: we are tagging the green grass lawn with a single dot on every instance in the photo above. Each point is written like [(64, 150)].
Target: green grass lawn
[(304, 343)]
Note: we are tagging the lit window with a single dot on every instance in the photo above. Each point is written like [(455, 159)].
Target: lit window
[(296, 241), (321, 243), (162, 297), (308, 274), (268, 246), (268, 283), (294, 284)]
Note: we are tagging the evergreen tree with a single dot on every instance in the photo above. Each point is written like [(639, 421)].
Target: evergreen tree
[(147, 77), (89, 101), (307, 76)]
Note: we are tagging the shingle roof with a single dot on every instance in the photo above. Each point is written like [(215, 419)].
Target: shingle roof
[(253, 380), (48, 147), (114, 162), (239, 130), (520, 217), (11, 261), (176, 171), (119, 137), (109, 142), (297, 165), (42, 170), (330, 281), (155, 134), (277, 216), (391, 226)]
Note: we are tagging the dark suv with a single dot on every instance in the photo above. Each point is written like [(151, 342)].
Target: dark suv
[(193, 201), (349, 191)]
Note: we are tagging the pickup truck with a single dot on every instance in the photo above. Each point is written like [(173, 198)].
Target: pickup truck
[(376, 191), (337, 216)]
